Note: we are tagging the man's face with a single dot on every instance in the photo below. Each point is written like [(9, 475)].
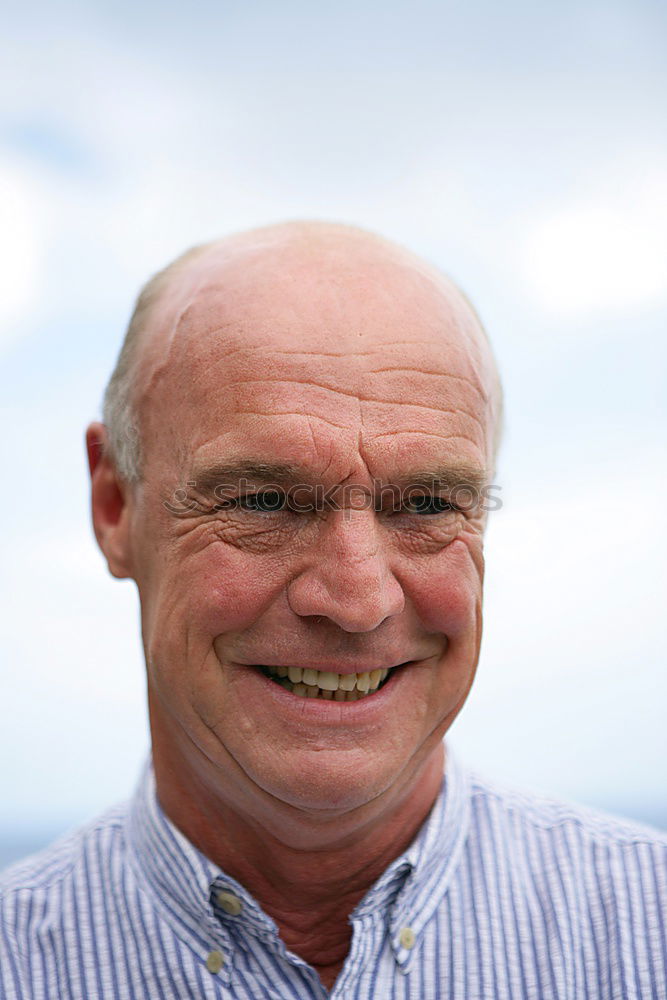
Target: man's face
[(342, 378)]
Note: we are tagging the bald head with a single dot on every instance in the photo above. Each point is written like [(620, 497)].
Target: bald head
[(308, 268)]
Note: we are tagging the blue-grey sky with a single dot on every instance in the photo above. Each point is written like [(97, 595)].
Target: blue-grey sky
[(522, 148)]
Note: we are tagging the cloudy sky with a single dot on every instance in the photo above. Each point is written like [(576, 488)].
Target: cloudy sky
[(522, 148)]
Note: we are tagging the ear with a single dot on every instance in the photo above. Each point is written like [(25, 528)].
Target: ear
[(110, 500)]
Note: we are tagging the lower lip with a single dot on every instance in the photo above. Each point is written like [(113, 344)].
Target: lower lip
[(330, 711)]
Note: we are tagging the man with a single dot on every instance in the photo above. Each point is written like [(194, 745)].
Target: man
[(300, 435)]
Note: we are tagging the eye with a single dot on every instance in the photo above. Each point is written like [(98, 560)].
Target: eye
[(427, 503), (265, 502)]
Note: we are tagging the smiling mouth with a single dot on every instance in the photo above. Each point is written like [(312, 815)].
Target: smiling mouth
[(307, 683)]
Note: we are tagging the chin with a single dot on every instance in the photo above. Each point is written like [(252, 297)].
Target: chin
[(327, 789)]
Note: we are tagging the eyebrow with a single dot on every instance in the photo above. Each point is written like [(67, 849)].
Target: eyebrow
[(447, 476)]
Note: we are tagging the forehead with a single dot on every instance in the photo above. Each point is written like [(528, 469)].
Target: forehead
[(339, 360)]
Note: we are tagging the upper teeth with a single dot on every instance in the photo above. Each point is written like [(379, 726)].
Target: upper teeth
[(329, 681)]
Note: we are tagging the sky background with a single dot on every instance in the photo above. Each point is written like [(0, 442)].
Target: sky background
[(520, 147)]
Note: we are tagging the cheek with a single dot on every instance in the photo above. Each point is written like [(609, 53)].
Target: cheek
[(447, 593), (204, 599), (228, 594), (188, 603)]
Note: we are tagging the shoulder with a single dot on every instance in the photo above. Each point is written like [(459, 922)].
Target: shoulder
[(575, 897), (512, 812), (45, 870), (40, 895), (585, 863)]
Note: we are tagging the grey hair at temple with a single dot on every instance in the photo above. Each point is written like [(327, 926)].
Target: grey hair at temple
[(124, 443), (118, 410)]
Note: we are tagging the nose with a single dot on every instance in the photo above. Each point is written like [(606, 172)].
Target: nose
[(348, 578)]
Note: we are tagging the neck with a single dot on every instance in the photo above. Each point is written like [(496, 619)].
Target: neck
[(307, 871)]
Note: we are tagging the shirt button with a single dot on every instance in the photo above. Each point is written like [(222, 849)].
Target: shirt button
[(230, 903), (215, 961), (407, 937)]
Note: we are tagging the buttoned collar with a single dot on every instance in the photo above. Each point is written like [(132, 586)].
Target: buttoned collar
[(207, 907)]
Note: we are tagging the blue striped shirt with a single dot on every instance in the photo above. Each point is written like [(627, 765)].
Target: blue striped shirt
[(501, 895)]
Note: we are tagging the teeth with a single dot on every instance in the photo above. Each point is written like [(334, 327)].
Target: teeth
[(305, 682), (327, 681)]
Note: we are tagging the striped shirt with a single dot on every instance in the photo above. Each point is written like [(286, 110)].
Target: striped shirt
[(500, 895)]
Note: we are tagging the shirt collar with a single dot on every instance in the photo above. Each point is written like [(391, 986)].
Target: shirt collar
[(414, 884), (177, 876), (184, 883)]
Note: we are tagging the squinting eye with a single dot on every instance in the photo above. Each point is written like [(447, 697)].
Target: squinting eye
[(428, 504), (266, 502)]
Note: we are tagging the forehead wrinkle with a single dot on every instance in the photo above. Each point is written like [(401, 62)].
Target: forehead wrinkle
[(365, 403), (359, 385), (478, 388)]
